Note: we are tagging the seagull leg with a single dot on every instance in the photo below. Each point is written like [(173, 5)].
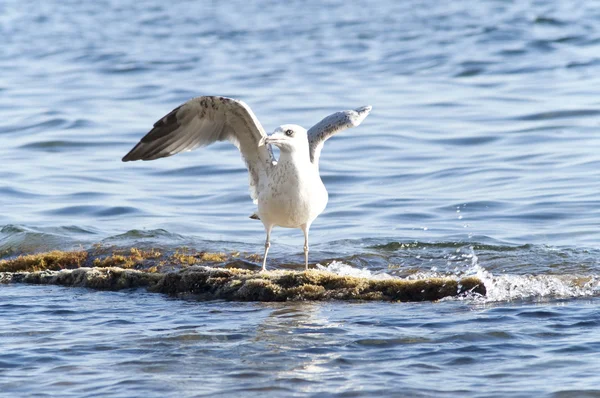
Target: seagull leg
[(305, 229), (267, 245)]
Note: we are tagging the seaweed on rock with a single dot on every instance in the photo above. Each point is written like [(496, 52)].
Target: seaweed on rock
[(54, 260), (244, 285), (186, 272)]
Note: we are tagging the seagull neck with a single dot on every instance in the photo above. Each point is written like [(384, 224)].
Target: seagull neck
[(296, 157)]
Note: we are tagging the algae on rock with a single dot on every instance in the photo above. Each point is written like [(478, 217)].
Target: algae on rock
[(184, 272), (54, 260), (245, 285)]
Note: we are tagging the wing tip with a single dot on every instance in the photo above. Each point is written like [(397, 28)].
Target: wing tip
[(130, 156), (144, 157), (364, 109), (361, 114)]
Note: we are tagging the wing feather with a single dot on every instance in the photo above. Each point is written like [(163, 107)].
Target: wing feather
[(202, 121), (332, 124)]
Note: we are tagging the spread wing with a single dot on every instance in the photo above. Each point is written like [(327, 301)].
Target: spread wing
[(332, 124), (202, 121)]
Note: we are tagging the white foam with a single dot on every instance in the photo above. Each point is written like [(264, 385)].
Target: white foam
[(340, 268), (498, 287), (518, 287)]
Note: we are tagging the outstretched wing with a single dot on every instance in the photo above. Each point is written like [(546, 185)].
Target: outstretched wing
[(202, 121), (332, 124)]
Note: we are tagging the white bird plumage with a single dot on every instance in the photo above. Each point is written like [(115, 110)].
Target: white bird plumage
[(289, 191)]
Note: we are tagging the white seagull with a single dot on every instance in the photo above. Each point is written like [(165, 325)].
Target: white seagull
[(289, 191)]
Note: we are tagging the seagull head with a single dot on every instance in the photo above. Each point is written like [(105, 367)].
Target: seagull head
[(287, 137)]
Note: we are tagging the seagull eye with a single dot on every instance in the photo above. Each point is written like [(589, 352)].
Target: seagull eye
[(289, 133)]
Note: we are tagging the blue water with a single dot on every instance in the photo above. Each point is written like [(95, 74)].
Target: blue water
[(139, 344), (480, 157)]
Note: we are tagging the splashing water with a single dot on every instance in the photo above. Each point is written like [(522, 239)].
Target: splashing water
[(499, 286), (509, 287), (340, 268)]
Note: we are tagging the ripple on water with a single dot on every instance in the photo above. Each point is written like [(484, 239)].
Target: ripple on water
[(560, 114), (17, 193), (30, 128), (176, 341), (92, 211), (63, 146)]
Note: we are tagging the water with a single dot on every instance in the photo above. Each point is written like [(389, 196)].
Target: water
[(134, 344), (480, 158)]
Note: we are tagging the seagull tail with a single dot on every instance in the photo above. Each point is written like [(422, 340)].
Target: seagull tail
[(255, 216)]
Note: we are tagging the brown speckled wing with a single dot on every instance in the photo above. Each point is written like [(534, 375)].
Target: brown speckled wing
[(332, 124), (202, 121)]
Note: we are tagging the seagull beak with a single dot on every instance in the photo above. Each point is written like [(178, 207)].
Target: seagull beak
[(274, 139)]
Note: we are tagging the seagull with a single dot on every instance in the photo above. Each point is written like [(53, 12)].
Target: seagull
[(288, 191)]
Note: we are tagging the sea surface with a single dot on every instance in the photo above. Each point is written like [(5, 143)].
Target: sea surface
[(481, 157)]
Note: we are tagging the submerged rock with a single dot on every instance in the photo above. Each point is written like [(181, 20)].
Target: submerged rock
[(204, 275), (245, 285), (112, 278)]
